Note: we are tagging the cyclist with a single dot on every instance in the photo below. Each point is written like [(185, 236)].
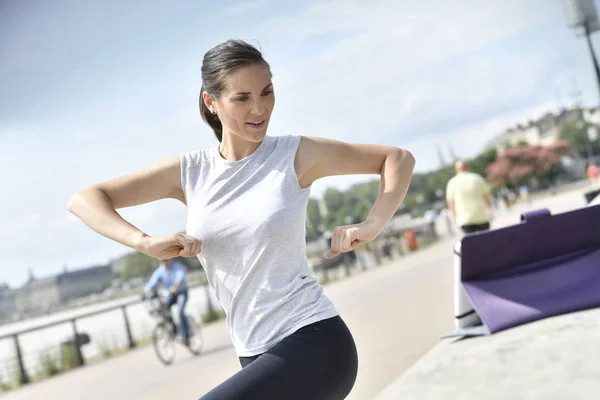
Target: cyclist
[(171, 275)]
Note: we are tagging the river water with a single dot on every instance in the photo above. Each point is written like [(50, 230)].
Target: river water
[(106, 330)]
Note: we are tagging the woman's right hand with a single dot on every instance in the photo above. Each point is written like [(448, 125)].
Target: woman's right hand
[(171, 245)]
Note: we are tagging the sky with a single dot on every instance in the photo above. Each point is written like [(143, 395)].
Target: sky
[(93, 90)]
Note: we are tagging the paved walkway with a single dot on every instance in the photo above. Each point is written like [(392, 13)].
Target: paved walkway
[(551, 359)]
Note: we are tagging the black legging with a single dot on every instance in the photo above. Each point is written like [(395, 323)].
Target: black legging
[(317, 362), (473, 228)]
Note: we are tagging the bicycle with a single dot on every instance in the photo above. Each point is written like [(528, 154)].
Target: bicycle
[(166, 332)]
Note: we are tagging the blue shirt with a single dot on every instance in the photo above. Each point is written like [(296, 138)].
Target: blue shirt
[(167, 277)]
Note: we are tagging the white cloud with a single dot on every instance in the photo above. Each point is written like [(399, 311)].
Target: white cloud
[(246, 6), (387, 78), (469, 140), (11, 228)]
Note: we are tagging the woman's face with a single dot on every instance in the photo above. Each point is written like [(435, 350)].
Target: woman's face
[(246, 102)]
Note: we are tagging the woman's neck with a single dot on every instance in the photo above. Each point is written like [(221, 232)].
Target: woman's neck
[(234, 148)]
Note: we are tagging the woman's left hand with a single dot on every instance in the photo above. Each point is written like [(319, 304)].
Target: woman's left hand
[(349, 237)]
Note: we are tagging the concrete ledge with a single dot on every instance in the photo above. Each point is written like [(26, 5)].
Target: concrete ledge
[(555, 358)]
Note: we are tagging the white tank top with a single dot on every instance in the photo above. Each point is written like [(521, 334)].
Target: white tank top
[(250, 215)]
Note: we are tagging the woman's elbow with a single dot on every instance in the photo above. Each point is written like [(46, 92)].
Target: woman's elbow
[(78, 198), (405, 158), (72, 204)]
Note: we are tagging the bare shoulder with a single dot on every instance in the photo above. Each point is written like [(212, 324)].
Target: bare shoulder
[(320, 157)]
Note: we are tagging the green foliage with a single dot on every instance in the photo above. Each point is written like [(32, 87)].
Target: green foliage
[(334, 199), (191, 263), (311, 233), (138, 265), (522, 143), (429, 185), (349, 207), (3, 384), (10, 376), (480, 164), (48, 364), (105, 348), (212, 315), (314, 220), (361, 211), (314, 214), (410, 202), (576, 134)]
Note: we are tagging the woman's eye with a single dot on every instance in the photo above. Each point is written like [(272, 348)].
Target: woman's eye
[(243, 98), (267, 92)]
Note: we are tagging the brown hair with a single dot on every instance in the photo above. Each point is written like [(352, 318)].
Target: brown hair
[(217, 63)]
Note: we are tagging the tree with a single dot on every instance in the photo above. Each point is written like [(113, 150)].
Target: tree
[(313, 214), (521, 143), (361, 212), (428, 185), (334, 200), (191, 263), (576, 134), (311, 233), (138, 265), (518, 165), (480, 164)]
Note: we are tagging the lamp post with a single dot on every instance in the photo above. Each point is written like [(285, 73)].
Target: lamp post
[(581, 15), (592, 134)]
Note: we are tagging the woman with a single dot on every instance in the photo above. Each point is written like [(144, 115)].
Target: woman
[(246, 201)]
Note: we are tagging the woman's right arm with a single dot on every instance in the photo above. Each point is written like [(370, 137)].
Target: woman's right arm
[(96, 206)]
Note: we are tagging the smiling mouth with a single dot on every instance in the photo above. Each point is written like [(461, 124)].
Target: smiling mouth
[(258, 124)]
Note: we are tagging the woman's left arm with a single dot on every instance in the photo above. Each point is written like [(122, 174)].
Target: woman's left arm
[(317, 158)]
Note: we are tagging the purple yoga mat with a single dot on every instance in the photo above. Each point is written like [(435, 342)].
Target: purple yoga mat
[(544, 266)]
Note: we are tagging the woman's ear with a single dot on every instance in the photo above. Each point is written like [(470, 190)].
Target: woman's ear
[(208, 101)]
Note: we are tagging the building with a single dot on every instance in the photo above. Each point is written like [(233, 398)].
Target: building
[(83, 282), (7, 302), (42, 295), (545, 130), (37, 295)]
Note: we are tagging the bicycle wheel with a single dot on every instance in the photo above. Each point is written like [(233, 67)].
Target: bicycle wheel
[(196, 339), (164, 344)]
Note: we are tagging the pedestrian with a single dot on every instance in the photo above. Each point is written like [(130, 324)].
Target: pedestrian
[(468, 196), (592, 173)]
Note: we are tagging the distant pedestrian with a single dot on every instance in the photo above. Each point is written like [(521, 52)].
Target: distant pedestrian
[(524, 193), (430, 217), (469, 201), (445, 214), (592, 173)]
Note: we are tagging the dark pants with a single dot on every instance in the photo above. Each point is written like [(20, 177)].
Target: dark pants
[(180, 299), (475, 228), (317, 362)]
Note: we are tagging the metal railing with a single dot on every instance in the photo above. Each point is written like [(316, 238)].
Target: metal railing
[(78, 339)]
